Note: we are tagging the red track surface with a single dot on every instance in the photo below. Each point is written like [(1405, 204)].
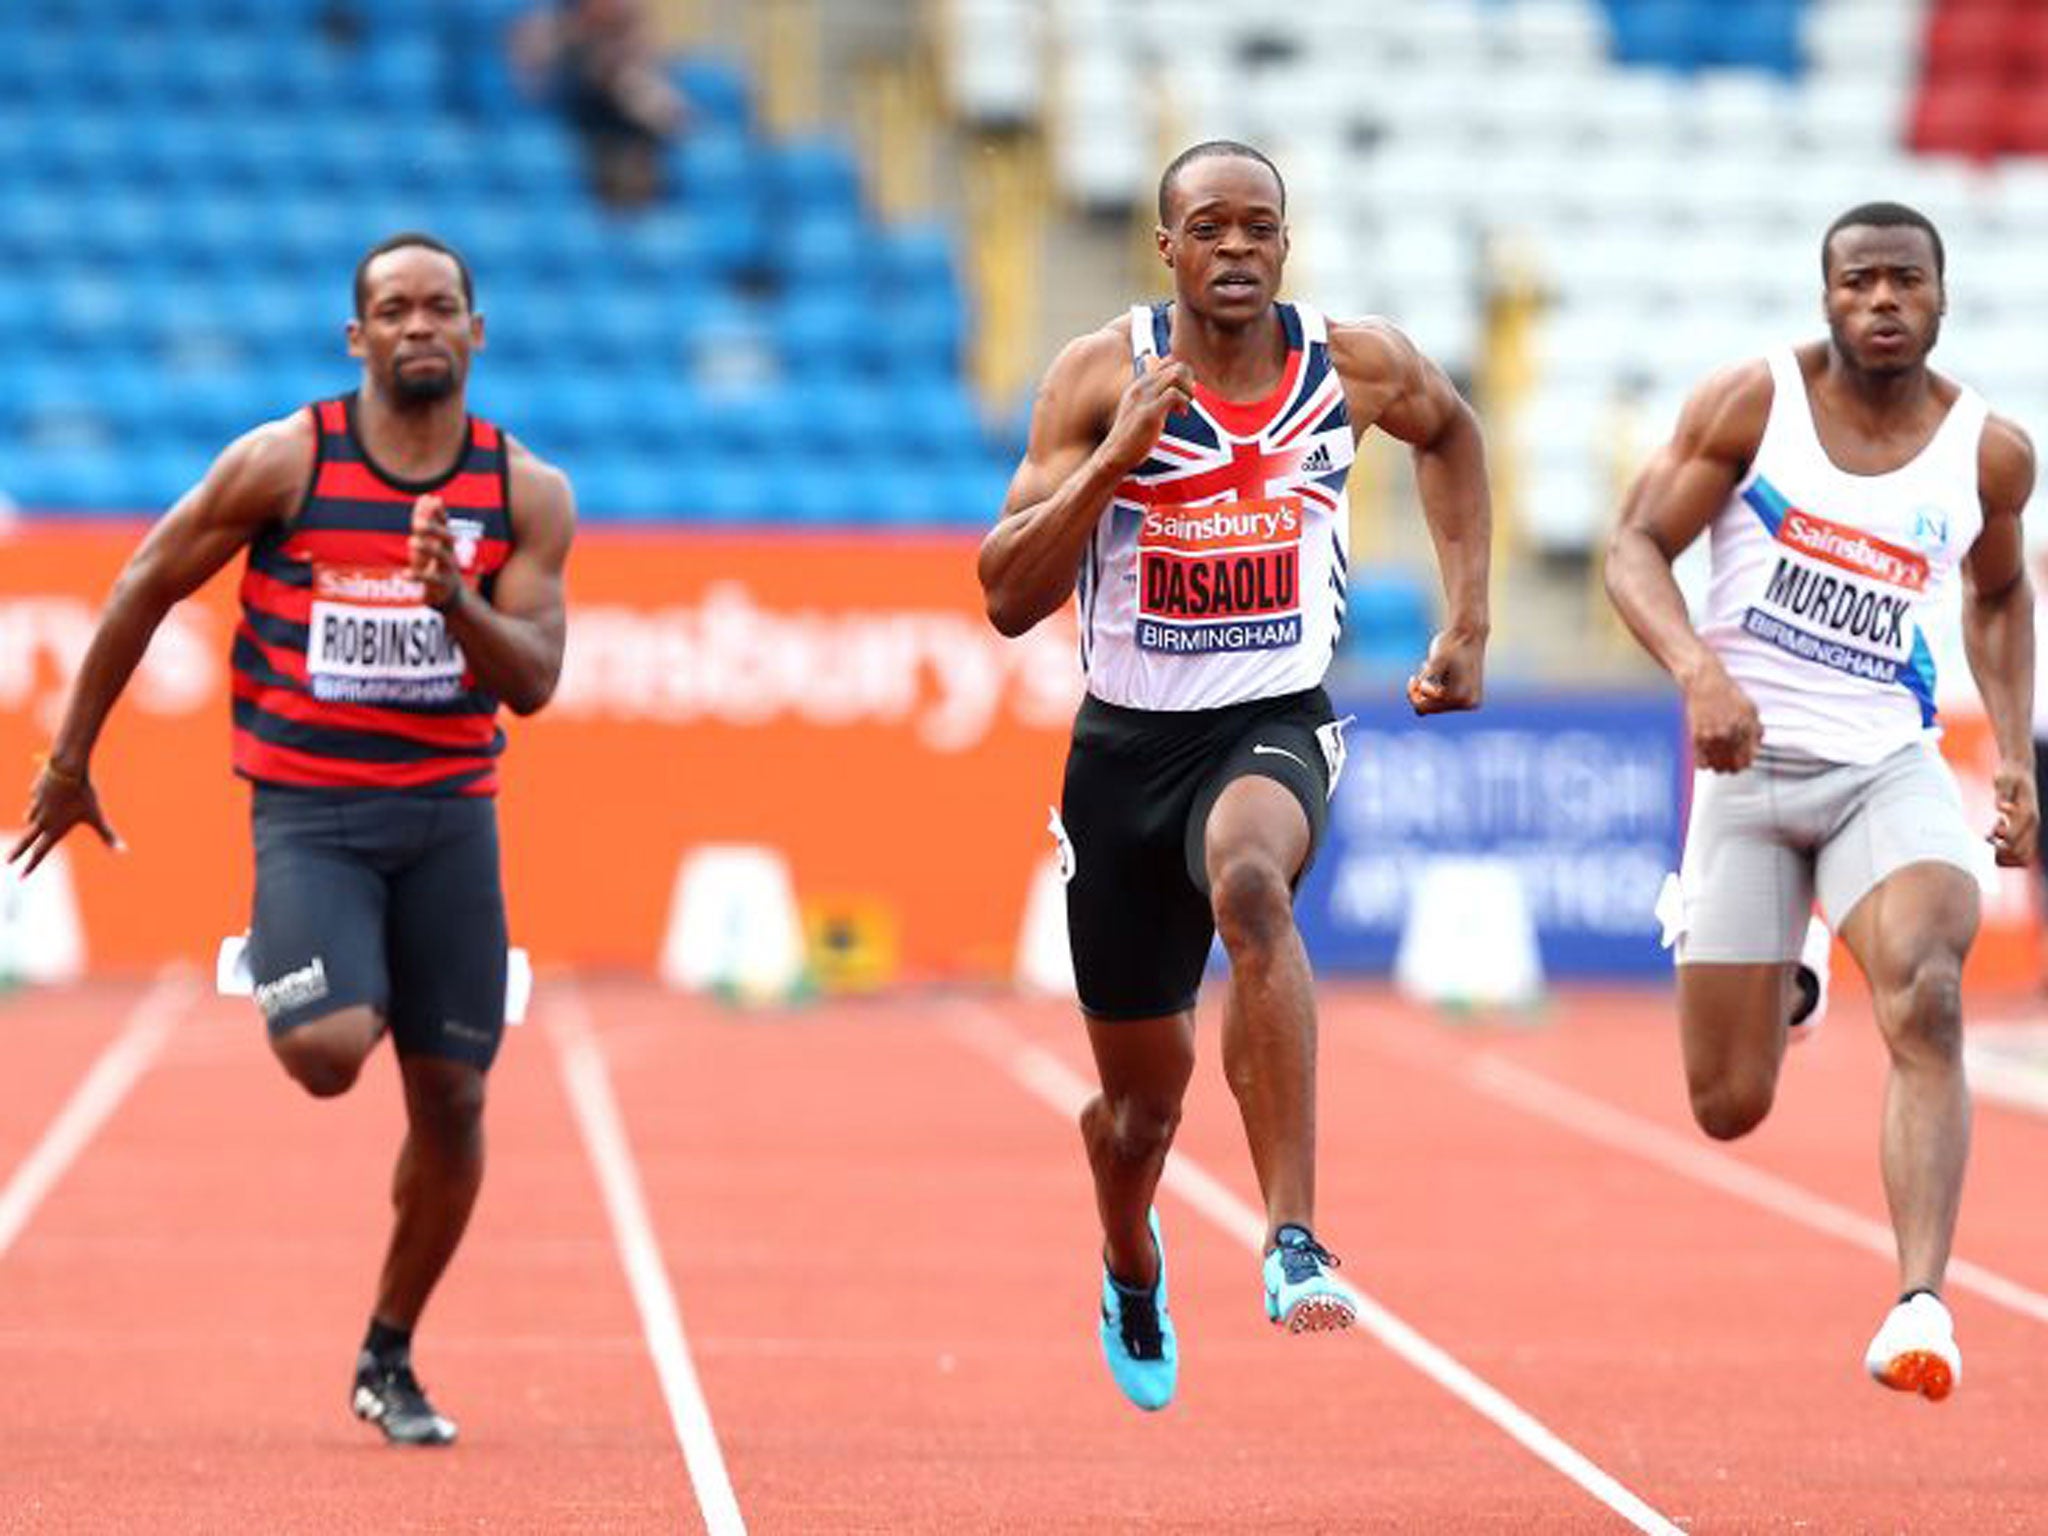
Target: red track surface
[(882, 1246)]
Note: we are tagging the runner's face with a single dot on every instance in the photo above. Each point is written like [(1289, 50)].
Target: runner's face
[(1226, 238), (417, 332), (1884, 299)]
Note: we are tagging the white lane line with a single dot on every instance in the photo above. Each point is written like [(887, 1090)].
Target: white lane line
[(604, 1137), (2008, 1064), (98, 1094), (1052, 1081), (1597, 1120)]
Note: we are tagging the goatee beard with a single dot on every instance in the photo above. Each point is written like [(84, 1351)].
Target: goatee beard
[(428, 389)]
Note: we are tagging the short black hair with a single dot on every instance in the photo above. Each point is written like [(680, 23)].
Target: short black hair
[(399, 242), (1884, 216), (1212, 149)]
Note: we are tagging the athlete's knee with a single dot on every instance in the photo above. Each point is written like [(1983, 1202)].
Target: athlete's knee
[(445, 1101), (1131, 1127), (1731, 1106), (325, 1069), (326, 1056), (1926, 1013), (1251, 901)]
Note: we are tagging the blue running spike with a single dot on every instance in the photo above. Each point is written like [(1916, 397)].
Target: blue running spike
[(1137, 1334), (1302, 1295)]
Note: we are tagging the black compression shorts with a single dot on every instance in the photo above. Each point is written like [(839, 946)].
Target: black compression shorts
[(383, 900), (1139, 788)]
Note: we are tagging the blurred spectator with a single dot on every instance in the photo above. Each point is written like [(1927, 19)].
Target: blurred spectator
[(599, 60), (341, 24)]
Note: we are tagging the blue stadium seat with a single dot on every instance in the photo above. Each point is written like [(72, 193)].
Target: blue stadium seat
[(215, 403), (713, 165), (716, 90), (85, 480), (651, 245), (1388, 618), (725, 489), (917, 259), (628, 485), (1755, 34), (36, 224), (224, 69), (842, 419), (975, 495), (818, 494), (936, 421), (315, 233), (398, 69), (1664, 33), (895, 493), (919, 337), (529, 158), (817, 245), (821, 329), (811, 174)]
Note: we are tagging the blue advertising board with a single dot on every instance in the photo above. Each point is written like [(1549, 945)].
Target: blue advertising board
[(1581, 794)]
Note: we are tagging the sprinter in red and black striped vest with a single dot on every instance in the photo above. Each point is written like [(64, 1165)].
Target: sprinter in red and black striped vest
[(404, 576)]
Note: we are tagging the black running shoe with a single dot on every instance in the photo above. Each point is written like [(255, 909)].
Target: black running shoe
[(388, 1395)]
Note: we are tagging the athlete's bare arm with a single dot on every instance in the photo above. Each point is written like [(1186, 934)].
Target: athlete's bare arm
[(1680, 489), (1389, 384), (513, 643), (1998, 632), (1092, 424), (257, 480)]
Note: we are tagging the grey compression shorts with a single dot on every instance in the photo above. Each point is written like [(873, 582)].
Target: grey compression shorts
[(1761, 844)]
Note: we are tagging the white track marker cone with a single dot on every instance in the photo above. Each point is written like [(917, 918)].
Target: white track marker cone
[(1045, 962), (733, 924), (41, 937), (1470, 940)]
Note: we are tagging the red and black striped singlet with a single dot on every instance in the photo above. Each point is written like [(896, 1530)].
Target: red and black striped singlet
[(343, 677)]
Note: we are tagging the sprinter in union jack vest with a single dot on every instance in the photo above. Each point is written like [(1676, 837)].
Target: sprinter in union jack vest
[(1185, 484)]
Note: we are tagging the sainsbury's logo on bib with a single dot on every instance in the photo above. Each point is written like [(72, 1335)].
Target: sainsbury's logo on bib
[(350, 584), (1854, 550), (1225, 577)]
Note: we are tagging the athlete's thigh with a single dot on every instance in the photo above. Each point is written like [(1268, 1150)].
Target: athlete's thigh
[(447, 935), (1922, 912), (1745, 880), (316, 930), (1300, 750), (1139, 929), (1897, 814), (1731, 1018)]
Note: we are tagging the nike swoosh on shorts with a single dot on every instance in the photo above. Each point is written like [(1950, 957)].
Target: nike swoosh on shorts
[(1260, 748)]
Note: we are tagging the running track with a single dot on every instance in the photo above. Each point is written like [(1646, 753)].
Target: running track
[(833, 1271)]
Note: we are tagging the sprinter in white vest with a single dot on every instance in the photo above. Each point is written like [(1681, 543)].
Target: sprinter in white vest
[(1845, 486), (1186, 482)]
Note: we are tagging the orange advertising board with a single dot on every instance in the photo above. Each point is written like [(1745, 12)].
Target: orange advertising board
[(838, 697)]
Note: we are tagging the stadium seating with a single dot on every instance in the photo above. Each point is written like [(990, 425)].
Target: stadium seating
[(181, 210), (1666, 167)]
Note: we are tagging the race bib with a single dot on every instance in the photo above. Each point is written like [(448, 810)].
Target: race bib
[(372, 639), (1841, 598), (1220, 578)]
